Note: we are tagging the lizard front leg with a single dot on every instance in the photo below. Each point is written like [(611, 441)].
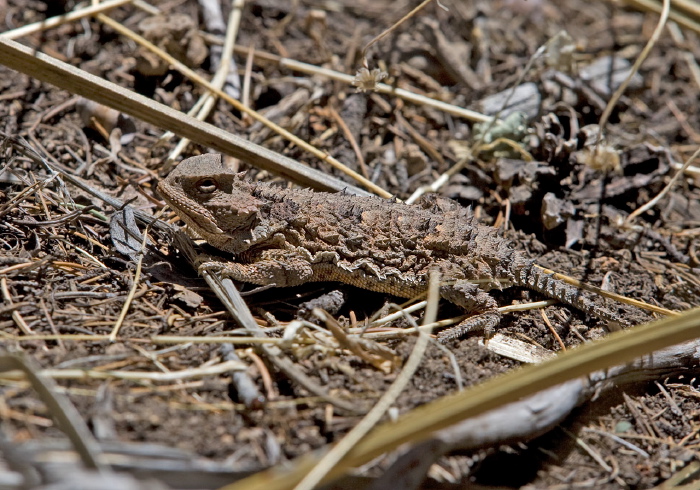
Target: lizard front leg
[(279, 268), (474, 300)]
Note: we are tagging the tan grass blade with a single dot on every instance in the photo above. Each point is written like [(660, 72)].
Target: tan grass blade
[(417, 425)]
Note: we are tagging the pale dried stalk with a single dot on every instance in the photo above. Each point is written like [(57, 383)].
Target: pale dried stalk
[(421, 423), (392, 29), (679, 17), (134, 286), (609, 294), (633, 71), (339, 451), (205, 104), (63, 19), (67, 77), (174, 339), (240, 107), (381, 88), (665, 190), (220, 368)]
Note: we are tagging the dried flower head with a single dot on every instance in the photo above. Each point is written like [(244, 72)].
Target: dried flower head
[(367, 80), (560, 51), (603, 158)]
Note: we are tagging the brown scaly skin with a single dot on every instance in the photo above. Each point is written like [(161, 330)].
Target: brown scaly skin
[(286, 237)]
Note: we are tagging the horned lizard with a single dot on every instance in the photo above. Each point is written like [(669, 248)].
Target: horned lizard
[(286, 237)]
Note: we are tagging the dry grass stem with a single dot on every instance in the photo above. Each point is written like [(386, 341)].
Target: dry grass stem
[(216, 369), (665, 190), (440, 181), (683, 12), (7, 298), (534, 305), (134, 286), (206, 102), (242, 108), (340, 450), (351, 139), (381, 88), (397, 314), (633, 71), (391, 29), (608, 294), (63, 19), (176, 339), (62, 75), (552, 330)]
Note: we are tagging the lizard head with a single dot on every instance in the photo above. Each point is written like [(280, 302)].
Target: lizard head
[(212, 199)]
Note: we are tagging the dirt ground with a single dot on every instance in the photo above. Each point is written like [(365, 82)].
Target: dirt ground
[(61, 272)]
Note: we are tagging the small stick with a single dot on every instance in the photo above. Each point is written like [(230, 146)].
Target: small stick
[(608, 294), (665, 190), (335, 455), (321, 155), (63, 19), (633, 71), (679, 17), (134, 286), (205, 104), (15, 314), (552, 330), (220, 368), (392, 29), (351, 139)]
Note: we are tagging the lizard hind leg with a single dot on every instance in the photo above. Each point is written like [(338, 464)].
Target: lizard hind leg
[(474, 300), (277, 268)]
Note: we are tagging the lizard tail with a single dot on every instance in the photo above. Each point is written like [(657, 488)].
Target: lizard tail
[(532, 276)]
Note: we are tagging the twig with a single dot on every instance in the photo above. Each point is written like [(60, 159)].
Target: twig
[(220, 368), (633, 71), (680, 17), (589, 450), (63, 19), (552, 330), (608, 294), (176, 339), (240, 107), (392, 29), (351, 139), (665, 190), (620, 441), (19, 321), (205, 104), (134, 286), (65, 76), (382, 88), (330, 459)]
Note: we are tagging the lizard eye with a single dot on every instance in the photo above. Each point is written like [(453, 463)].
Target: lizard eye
[(207, 185)]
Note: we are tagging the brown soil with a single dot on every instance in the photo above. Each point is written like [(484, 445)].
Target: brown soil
[(78, 283)]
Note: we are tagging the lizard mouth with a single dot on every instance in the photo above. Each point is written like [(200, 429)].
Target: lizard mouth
[(198, 218)]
